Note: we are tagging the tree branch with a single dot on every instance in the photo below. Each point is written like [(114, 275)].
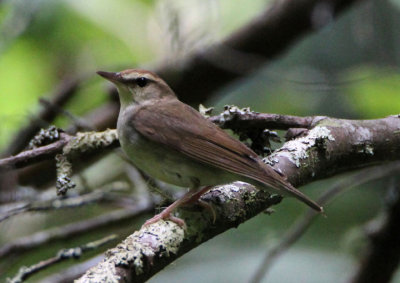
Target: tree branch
[(242, 119), (97, 195), (70, 230), (66, 142), (64, 254), (32, 156), (330, 147), (69, 274), (238, 119), (149, 250)]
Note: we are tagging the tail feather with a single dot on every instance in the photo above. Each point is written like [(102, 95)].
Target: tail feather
[(292, 191), (274, 180)]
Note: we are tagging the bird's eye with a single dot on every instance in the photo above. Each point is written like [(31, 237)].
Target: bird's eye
[(142, 82)]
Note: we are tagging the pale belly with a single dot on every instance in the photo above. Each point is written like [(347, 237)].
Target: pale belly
[(169, 165)]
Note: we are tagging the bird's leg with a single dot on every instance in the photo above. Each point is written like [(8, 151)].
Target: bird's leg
[(166, 213), (196, 198), (191, 196), (195, 194)]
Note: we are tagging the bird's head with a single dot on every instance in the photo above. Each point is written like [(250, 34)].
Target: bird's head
[(137, 86)]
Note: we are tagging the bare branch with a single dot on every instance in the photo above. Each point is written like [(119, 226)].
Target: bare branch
[(64, 254), (68, 231), (69, 274), (62, 203), (243, 119), (83, 142), (29, 157)]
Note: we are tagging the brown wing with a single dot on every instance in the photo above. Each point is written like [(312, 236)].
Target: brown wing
[(179, 126)]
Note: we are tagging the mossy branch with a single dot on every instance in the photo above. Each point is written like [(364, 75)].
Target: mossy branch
[(329, 147)]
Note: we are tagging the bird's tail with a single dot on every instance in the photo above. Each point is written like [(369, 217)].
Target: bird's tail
[(292, 191), (279, 183), (273, 179)]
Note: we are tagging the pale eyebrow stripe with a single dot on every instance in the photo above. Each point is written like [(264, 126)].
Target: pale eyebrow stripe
[(133, 80)]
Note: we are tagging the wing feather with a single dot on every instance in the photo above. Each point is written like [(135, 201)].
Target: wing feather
[(180, 127)]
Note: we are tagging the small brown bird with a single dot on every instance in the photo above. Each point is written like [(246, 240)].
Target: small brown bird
[(172, 142)]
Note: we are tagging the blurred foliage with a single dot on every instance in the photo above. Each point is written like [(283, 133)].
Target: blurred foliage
[(376, 96), (62, 39), (349, 69), (24, 74)]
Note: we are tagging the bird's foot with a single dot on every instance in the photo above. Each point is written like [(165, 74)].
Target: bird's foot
[(195, 199), (189, 198), (165, 215)]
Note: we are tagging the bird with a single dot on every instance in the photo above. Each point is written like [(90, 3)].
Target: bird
[(174, 143)]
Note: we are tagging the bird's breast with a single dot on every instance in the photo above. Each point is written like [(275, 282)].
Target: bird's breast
[(164, 163)]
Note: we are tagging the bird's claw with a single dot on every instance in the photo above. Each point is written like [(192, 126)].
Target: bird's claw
[(165, 216)]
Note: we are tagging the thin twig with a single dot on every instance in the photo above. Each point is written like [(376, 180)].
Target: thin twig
[(62, 203), (69, 274), (79, 143), (77, 228), (244, 119), (304, 222), (62, 255), (29, 157)]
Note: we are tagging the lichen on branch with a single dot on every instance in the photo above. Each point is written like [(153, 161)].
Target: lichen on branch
[(81, 143)]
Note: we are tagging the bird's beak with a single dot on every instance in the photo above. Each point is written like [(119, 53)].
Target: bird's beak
[(112, 77)]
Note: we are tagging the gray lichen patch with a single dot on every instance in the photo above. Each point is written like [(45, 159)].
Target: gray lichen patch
[(369, 149), (230, 190), (271, 159), (157, 240), (45, 136), (233, 198), (296, 150), (363, 137), (364, 148), (137, 251), (101, 273), (364, 133), (231, 112), (86, 141), (206, 112), (64, 174)]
